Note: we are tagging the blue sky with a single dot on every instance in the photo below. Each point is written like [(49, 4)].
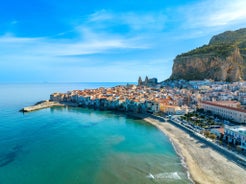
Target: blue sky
[(106, 40)]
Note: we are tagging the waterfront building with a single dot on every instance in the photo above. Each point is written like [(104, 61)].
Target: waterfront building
[(219, 132), (173, 109), (242, 96), (236, 135), (226, 110)]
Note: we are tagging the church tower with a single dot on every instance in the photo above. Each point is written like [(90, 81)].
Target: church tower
[(140, 82)]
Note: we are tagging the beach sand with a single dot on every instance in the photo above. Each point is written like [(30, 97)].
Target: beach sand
[(204, 164)]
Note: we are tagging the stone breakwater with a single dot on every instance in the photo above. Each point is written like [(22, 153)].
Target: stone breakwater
[(42, 105)]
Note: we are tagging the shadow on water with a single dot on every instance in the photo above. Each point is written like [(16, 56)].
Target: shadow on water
[(10, 157)]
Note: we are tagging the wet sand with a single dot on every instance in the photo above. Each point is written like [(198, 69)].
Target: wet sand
[(205, 165)]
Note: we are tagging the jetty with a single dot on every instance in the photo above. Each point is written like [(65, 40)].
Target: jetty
[(42, 105)]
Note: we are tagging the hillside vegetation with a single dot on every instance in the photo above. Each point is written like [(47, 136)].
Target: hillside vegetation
[(222, 45), (223, 59)]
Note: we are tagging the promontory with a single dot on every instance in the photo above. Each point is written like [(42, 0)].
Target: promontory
[(223, 59)]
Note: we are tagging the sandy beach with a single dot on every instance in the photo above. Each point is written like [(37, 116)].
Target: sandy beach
[(204, 164)]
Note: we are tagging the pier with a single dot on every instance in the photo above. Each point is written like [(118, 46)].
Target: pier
[(42, 105)]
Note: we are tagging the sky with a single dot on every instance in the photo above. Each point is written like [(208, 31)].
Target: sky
[(106, 40)]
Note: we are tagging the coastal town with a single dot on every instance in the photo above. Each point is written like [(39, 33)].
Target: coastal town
[(205, 120), (123, 92), (214, 109)]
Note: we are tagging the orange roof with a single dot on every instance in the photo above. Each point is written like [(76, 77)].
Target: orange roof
[(225, 107), (221, 130)]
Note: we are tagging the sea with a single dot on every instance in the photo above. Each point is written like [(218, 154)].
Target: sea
[(73, 145)]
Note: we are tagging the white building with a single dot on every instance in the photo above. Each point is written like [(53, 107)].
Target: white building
[(225, 111), (242, 96), (236, 135)]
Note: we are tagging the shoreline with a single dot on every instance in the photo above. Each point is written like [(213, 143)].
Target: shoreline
[(204, 164), (150, 120), (183, 161)]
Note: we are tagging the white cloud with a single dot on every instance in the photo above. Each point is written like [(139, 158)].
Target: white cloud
[(101, 15), (136, 21), (93, 43), (214, 13), (9, 38), (152, 21), (93, 37)]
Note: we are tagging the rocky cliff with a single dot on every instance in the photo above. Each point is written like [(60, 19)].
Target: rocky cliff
[(223, 59)]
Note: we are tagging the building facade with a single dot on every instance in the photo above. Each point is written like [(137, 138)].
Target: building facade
[(236, 135), (228, 112)]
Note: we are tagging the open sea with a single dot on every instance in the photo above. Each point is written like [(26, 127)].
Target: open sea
[(79, 145)]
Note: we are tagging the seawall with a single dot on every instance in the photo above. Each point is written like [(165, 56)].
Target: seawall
[(42, 105)]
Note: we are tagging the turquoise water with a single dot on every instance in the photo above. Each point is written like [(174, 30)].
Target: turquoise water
[(77, 145)]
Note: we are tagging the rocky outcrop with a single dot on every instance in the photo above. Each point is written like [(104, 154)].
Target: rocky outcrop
[(223, 59)]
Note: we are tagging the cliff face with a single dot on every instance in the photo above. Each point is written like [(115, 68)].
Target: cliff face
[(223, 59)]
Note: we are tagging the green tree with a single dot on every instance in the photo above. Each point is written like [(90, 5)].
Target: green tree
[(212, 136)]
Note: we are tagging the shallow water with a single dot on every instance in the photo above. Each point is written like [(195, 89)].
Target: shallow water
[(77, 145)]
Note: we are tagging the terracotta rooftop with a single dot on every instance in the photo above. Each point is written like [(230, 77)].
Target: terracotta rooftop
[(225, 107)]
